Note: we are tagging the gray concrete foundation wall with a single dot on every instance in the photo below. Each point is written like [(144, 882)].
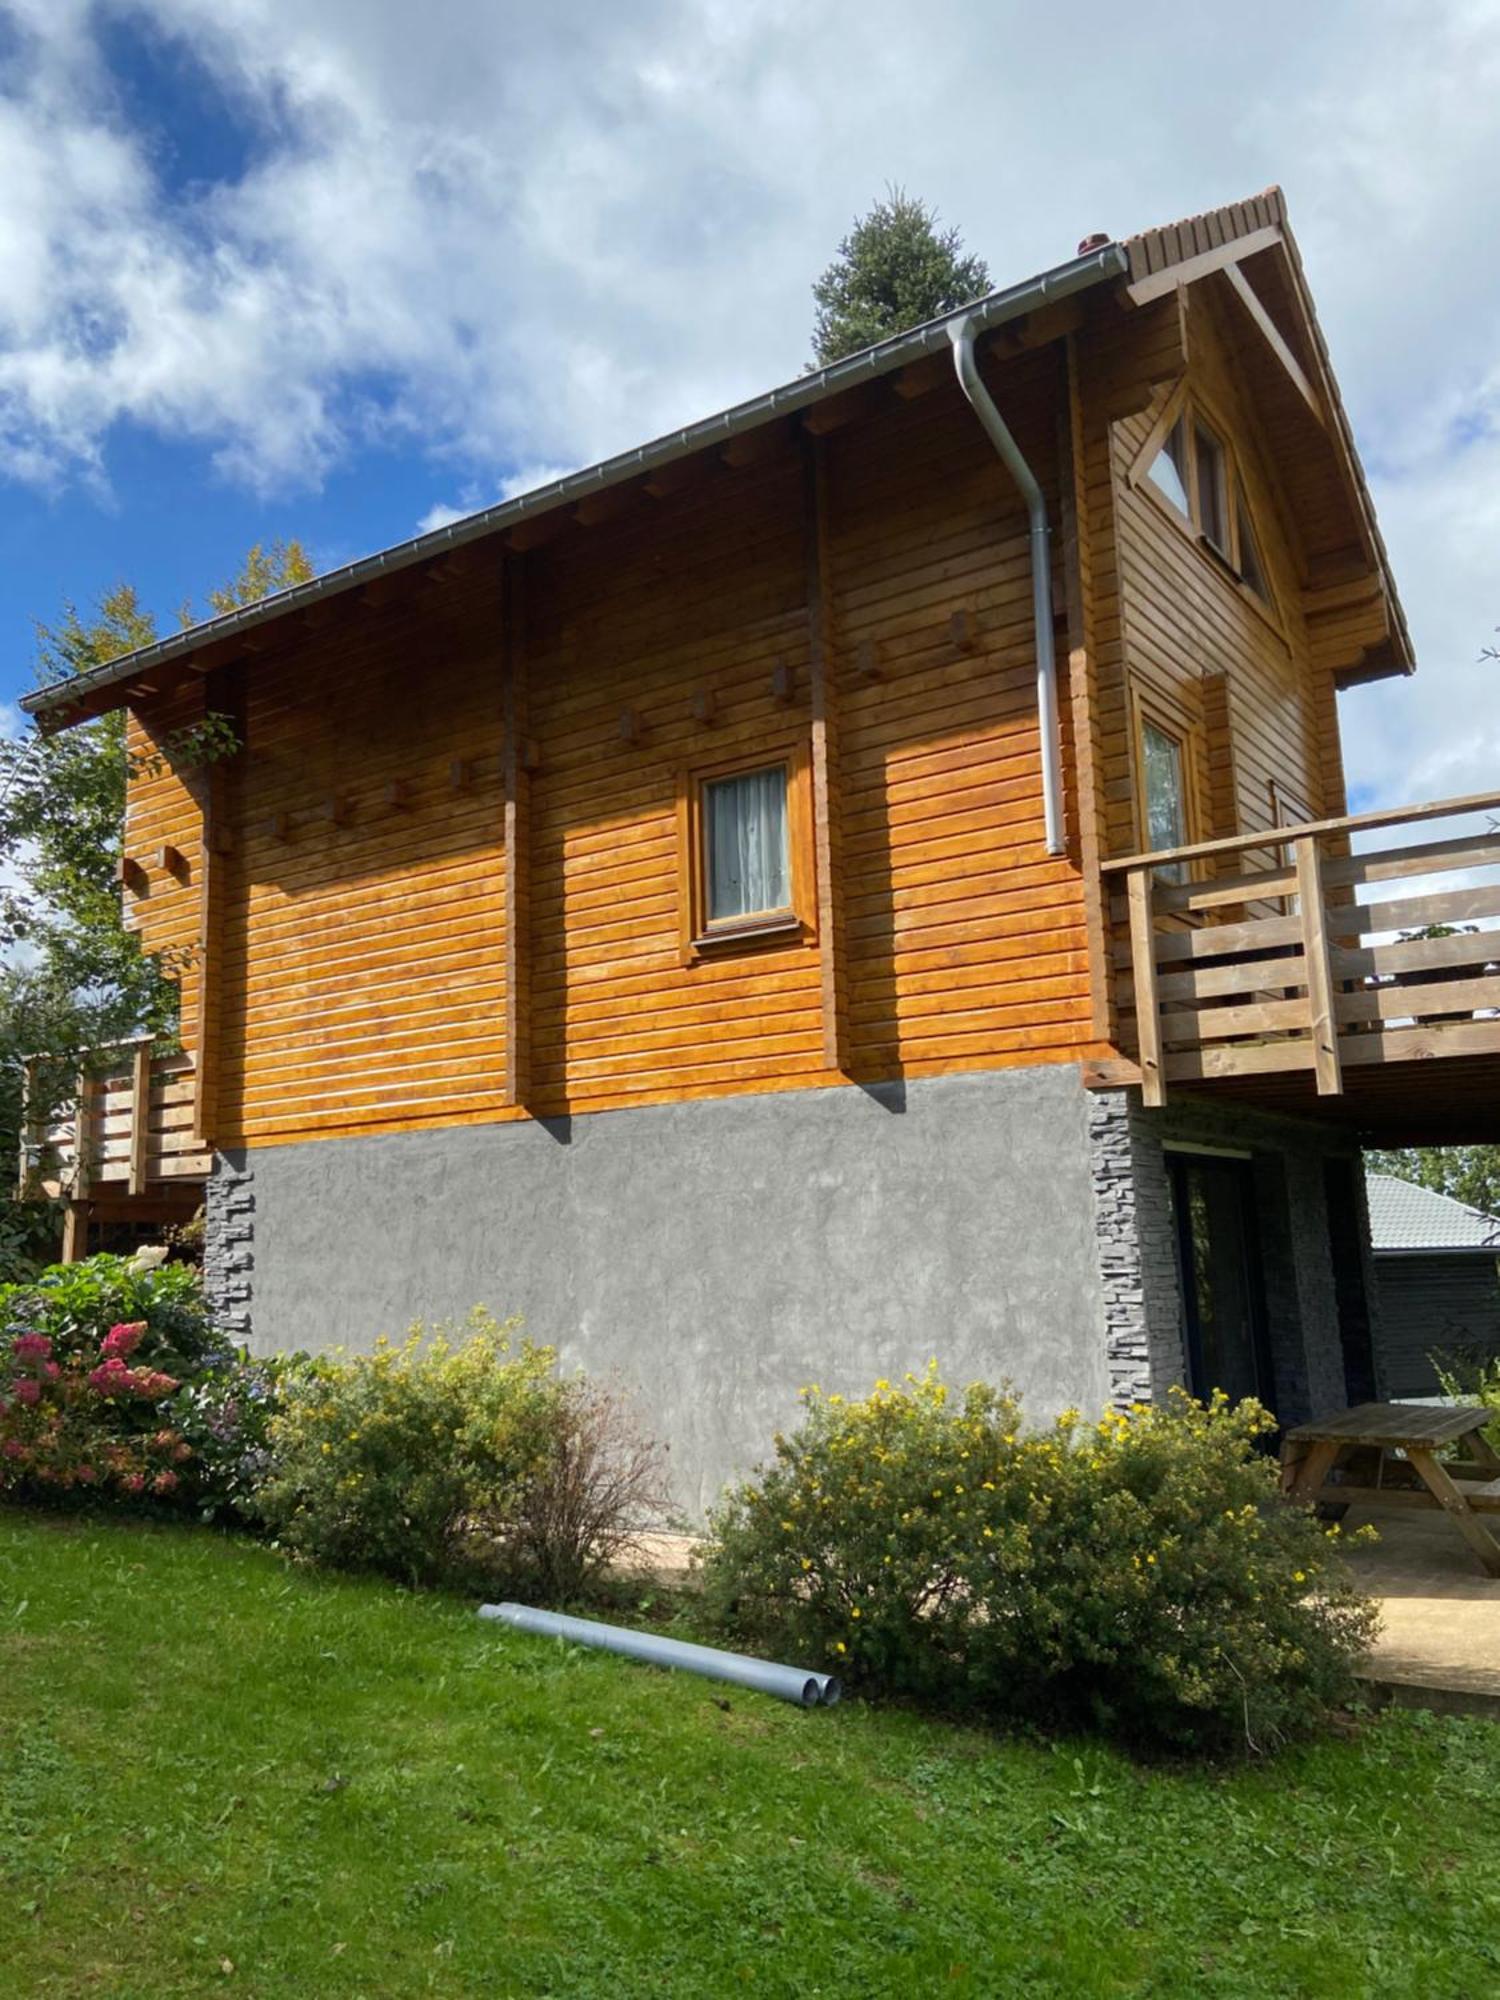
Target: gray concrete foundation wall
[(716, 1254)]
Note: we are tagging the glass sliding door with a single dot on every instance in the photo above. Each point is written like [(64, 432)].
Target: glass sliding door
[(1223, 1296)]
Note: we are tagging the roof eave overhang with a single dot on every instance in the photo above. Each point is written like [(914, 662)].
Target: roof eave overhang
[(94, 693)]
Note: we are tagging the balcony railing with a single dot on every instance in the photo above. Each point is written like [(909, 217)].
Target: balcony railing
[(1285, 951), (129, 1129)]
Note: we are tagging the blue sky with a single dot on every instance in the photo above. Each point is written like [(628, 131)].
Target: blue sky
[(295, 267)]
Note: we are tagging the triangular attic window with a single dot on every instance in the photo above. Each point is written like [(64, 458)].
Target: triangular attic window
[(1169, 468)]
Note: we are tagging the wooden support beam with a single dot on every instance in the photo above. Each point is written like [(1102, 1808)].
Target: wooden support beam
[(224, 694), (516, 868), (963, 632), (1322, 1014), (1157, 283), (172, 861), (920, 378), (595, 508), (1272, 335), (845, 408), (676, 476), (753, 447), (783, 684), (1147, 1006), (540, 529), (867, 659), (130, 874), (826, 803), (705, 707), (75, 1237), (140, 1117)]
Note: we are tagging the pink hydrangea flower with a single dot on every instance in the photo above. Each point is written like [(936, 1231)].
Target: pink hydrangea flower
[(26, 1391), (123, 1339), (134, 1482), (12, 1448), (164, 1482), (51, 1370), (85, 1475), (31, 1347)]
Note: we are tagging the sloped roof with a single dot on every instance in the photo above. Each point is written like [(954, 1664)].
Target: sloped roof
[(1407, 1218), (1178, 252)]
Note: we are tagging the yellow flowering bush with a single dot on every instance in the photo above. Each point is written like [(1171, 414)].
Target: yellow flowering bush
[(458, 1453), (1141, 1573)]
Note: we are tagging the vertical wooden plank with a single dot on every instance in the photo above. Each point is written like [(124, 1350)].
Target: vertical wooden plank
[(221, 696), (75, 1232), (1307, 855), (516, 862), (823, 693), (1083, 695), (28, 1127), (140, 1116), (1138, 885), (76, 1212)]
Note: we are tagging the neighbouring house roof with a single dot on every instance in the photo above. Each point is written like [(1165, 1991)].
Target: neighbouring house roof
[(1408, 1220), (1143, 264)]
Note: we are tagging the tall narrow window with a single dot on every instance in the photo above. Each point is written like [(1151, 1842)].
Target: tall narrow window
[(1252, 569), (1213, 497), (1166, 790), (1169, 468), (747, 863)]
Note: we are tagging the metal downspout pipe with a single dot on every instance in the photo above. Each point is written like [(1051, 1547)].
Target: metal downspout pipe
[(962, 334)]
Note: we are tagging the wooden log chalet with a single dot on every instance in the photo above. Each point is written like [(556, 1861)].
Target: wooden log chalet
[(868, 875)]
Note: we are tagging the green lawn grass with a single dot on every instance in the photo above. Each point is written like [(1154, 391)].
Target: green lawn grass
[(220, 1774)]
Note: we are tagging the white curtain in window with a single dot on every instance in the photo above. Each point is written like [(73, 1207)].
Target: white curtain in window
[(748, 863)]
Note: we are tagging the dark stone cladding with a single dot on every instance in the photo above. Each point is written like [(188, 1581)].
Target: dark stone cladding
[(1143, 1321), (229, 1244)]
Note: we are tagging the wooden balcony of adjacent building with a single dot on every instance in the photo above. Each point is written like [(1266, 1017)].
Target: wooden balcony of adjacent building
[(1345, 969), (122, 1149)]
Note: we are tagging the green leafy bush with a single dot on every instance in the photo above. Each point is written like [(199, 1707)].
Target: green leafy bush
[(1142, 1573), (91, 1356), (454, 1455)]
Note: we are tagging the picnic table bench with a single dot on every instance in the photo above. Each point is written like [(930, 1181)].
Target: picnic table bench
[(1419, 1431)]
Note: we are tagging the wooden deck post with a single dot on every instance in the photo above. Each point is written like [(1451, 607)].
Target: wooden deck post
[(833, 982), (140, 1117), (1138, 887), (76, 1211), (516, 861), (1322, 1020)]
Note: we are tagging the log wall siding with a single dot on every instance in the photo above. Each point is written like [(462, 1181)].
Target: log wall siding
[(362, 980), (362, 932), (164, 809), (1245, 682)]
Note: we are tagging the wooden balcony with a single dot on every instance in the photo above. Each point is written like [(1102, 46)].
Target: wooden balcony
[(1290, 971), (126, 1148)]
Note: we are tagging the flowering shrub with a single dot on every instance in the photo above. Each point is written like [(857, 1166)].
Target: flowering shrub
[(1142, 1573), (90, 1356), (225, 1416), (453, 1454)]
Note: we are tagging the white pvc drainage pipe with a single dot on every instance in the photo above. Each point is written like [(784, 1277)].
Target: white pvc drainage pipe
[(962, 334), (739, 1669)]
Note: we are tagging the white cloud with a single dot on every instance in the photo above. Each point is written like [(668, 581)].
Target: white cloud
[(529, 237)]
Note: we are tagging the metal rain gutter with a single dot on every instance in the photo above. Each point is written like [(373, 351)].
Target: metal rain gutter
[(1077, 275), (963, 333)]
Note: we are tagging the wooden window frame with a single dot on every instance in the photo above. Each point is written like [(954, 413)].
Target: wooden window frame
[(698, 938), (1193, 411), (1149, 705)]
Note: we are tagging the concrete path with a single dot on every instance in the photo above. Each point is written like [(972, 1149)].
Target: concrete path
[(1439, 1644)]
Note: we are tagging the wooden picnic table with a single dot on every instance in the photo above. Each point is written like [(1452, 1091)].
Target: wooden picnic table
[(1419, 1431)]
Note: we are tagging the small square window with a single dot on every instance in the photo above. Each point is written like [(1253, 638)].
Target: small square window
[(1213, 499), (747, 857), (1169, 468)]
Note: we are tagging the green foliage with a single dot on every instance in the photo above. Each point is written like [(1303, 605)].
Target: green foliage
[(74, 977), (266, 570), (459, 1453), (1141, 1574), (1470, 1174), (345, 1790), (225, 1416), (91, 1356), (894, 270)]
